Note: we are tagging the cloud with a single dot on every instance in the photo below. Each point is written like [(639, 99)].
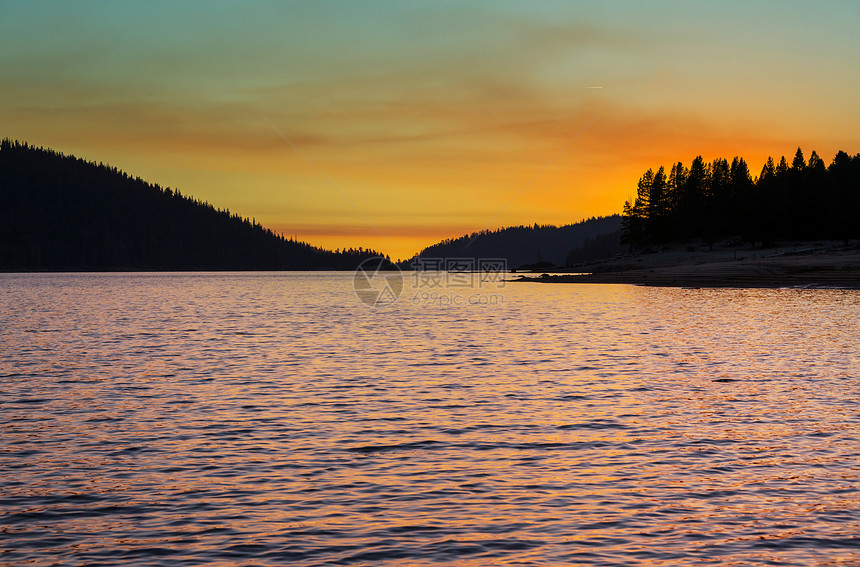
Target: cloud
[(418, 112)]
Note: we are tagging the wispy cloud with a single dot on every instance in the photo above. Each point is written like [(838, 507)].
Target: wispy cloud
[(429, 114)]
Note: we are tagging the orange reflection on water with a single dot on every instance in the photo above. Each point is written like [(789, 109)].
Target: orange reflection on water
[(275, 419)]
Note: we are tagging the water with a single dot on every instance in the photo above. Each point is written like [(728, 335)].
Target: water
[(273, 419)]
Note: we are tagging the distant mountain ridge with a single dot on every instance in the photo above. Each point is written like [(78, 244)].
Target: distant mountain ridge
[(59, 212), (523, 245)]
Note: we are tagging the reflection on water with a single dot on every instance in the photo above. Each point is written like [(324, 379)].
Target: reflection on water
[(274, 419)]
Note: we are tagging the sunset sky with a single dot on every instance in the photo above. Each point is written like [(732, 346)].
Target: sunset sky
[(393, 125)]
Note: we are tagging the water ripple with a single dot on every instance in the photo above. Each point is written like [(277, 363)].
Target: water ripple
[(271, 419)]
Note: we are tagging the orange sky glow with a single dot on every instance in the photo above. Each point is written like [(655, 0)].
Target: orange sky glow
[(392, 127)]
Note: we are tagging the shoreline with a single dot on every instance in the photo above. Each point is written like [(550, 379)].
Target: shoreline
[(807, 267)]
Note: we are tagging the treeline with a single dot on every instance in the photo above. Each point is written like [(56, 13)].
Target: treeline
[(522, 245), (59, 212), (805, 200), (597, 247)]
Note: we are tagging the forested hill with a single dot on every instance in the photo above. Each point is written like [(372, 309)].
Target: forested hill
[(803, 200), (58, 212), (522, 245)]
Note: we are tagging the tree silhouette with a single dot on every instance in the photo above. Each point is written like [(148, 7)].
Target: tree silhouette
[(58, 212), (521, 245), (806, 200), (798, 162)]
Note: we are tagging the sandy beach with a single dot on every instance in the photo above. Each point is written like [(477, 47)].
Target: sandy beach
[(798, 265)]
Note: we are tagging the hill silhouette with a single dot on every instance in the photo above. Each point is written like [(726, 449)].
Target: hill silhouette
[(533, 245), (803, 200), (59, 212)]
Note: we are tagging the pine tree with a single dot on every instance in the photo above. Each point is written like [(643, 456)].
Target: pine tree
[(798, 163), (658, 206), (803, 201), (643, 191), (768, 171)]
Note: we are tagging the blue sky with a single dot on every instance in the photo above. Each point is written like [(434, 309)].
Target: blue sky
[(429, 117)]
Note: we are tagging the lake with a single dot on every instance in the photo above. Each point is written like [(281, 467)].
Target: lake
[(278, 419)]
